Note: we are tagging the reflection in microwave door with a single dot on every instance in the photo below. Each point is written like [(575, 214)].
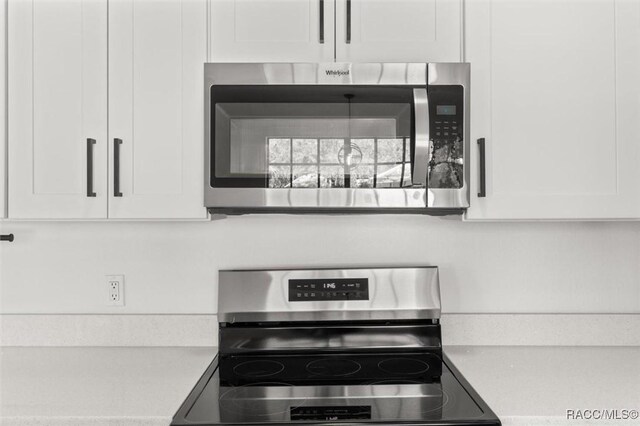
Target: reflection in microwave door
[(353, 158), (446, 175)]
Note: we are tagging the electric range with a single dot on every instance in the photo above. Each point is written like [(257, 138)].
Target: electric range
[(331, 346)]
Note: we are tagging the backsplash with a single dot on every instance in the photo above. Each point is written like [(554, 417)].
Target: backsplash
[(171, 267)]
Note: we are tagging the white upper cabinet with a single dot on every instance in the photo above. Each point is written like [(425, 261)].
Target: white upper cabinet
[(398, 30), (3, 111), (57, 80), (272, 31), (556, 95), (83, 73), (364, 30), (157, 51)]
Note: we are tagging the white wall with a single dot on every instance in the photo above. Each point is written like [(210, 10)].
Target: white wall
[(172, 267)]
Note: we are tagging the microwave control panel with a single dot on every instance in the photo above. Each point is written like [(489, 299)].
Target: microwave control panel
[(307, 290), (446, 121)]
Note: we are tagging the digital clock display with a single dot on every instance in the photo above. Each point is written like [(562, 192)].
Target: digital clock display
[(306, 290), (445, 110)]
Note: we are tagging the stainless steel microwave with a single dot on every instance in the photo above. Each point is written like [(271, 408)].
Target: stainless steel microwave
[(336, 137)]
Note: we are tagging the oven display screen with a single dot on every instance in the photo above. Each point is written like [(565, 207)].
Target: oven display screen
[(445, 110), (303, 290)]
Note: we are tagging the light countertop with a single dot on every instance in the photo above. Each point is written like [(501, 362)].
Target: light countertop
[(536, 385), (524, 385), (97, 385)]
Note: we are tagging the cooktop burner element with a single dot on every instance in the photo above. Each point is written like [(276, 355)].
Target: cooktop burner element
[(353, 368), (403, 366), (332, 367), (296, 360), (258, 368), (242, 401)]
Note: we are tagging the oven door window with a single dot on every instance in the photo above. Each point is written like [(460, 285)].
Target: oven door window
[(296, 137)]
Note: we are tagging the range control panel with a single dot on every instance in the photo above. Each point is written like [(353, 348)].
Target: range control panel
[(307, 290), (360, 412)]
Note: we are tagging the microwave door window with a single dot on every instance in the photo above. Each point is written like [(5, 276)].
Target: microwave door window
[(339, 163), (312, 145)]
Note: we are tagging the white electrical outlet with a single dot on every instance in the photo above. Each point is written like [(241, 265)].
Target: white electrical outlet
[(115, 290)]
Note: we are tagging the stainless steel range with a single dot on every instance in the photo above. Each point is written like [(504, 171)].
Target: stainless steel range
[(331, 346)]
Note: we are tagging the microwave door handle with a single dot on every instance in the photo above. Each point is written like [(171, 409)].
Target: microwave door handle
[(422, 149)]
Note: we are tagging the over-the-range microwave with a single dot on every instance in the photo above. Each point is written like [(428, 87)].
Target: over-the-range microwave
[(336, 137)]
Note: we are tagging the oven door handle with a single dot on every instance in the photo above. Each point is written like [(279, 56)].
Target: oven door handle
[(422, 149)]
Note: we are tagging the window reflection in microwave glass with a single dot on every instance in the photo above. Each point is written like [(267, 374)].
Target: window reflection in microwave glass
[(329, 149), (304, 151), (339, 163)]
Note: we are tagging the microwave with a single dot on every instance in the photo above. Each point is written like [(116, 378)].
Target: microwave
[(336, 137)]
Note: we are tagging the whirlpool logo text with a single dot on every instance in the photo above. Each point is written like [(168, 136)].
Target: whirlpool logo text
[(337, 73)]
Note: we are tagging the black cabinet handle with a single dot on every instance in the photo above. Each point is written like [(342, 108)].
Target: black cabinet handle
[(482, 191), (116, 167), (90, 144), (321, 36), (348, 41), (7, 237)]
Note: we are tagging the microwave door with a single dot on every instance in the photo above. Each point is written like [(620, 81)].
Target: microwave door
[(305, 147)]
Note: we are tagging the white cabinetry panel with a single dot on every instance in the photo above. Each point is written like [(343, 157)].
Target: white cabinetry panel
[(271, 31), (3, 109), (156, 54), (57, 75), (553, 94), (398, 31)]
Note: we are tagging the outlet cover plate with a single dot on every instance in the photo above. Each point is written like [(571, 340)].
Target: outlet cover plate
[(115, 290)]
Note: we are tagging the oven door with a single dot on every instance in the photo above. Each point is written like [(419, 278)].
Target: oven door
[(314, 147)]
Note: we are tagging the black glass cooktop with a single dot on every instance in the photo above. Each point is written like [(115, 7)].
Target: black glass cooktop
[(260, 392), (329, 368)]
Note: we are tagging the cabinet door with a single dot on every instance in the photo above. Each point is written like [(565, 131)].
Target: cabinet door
[(272, 31), (555, 93), (157, 50), (57, 83), (3, 110), (398, 30)]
